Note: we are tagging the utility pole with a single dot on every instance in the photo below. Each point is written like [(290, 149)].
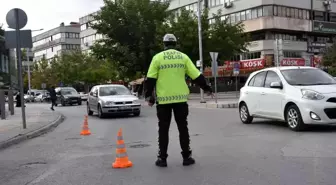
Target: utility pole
[(27, 57), (199, 14)]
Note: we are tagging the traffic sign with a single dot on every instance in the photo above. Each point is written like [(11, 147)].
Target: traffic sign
[(236, 68), (213, 56), (16, 18)]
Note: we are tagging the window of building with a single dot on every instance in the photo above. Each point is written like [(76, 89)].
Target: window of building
[(260, 12), (332, 17), (253, 55), (319, 16), (232, 18), (243, 16), (275, 10), (83, 27), (300, 14), (254, 13), (268, 10), (287, 12), (248, 15), (292, 13), (292, 54), (237, 17), (296, 13), (280, 12)]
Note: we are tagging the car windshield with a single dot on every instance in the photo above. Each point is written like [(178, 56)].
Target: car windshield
[(113, 90), (68, 92), (307, 77)]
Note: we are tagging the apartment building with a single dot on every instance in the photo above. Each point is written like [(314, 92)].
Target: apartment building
[(283, 32), (88, 35), (56, 41)]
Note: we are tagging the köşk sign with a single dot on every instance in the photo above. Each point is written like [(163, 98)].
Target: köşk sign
[(293, 62), (246, 64)]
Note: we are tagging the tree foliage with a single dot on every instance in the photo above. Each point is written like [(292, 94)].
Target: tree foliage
[(72, 68), (329, 57), (130, 29), (134, 29)]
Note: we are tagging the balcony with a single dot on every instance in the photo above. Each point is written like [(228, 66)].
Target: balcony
[(287, 45), (274, 22)]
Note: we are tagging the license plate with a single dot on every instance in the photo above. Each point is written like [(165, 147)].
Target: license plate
[(125, 107), (74, 100)]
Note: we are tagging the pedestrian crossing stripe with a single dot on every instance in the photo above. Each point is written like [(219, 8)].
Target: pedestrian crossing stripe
[(172, 98), (170, 66)]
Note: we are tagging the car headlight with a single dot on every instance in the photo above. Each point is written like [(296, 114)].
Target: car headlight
[(108, 103), (311, 95), (136, 102)]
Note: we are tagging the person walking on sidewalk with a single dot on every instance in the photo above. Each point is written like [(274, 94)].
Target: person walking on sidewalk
[(53, 97), (166, 74)]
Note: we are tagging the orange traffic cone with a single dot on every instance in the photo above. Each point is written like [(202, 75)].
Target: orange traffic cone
[(85, 129), (122, 157)]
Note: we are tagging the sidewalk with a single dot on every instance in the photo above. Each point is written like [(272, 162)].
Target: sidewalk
[(39, 118)]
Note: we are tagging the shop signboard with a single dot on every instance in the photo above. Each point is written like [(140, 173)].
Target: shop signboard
[(293, 62)]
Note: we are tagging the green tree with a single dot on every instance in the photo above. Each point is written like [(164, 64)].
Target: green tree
[(222, 37), (41, 73), (227, 39), (185, 28), (130, 28), (329, 57)]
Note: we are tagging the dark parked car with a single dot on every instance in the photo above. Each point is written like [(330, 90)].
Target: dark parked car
[(67, 96)]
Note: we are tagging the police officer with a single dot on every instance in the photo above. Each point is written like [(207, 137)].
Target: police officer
[(166, 74)]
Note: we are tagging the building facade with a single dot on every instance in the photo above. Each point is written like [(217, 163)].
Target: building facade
[(283, 32), (56, 41), (88, 35)]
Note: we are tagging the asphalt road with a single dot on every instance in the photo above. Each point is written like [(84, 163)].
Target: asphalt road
[(227, 153)]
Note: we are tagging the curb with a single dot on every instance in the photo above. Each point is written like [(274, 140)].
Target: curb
[(222, 106), (32, 134)]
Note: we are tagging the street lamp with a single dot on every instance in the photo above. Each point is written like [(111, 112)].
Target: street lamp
[(199, 14), (27, 57)]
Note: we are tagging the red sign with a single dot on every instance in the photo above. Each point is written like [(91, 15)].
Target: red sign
[(246, 64), (293, 62)]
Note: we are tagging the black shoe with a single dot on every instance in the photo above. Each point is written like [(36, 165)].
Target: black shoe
[(161, 162), (52, 109), (188, 161)]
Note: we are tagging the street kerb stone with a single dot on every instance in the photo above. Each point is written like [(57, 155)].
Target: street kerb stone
[(211, 105), (33, 133)]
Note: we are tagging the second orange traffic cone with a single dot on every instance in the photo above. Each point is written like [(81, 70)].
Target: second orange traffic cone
[(122, 160), (85, 129)]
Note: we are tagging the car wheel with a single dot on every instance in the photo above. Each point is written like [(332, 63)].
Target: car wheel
[(89, 112), (100, 112), (244, 114), (294, 118), (136, 113), (80, 103), (63, 103)]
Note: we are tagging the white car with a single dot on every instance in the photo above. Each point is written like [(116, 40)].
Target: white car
[(297, 95), (112, 99)]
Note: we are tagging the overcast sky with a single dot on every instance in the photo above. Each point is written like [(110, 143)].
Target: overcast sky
[(49, 14)]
